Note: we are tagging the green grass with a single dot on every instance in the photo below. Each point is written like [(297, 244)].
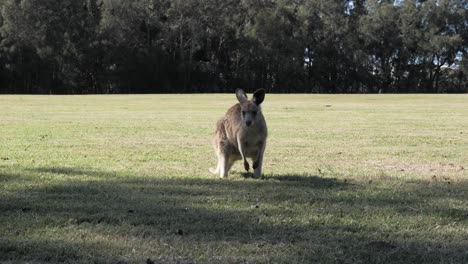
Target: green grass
[(124, 179)]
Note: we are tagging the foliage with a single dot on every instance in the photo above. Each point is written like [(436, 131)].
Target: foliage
[(168, 46)]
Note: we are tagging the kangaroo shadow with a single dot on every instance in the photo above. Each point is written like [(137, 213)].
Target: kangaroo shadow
[(312, 181)]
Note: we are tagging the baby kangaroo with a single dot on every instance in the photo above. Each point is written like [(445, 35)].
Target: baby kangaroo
[(241, 134)]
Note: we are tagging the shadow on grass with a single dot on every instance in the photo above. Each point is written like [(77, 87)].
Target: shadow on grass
[(5, 177), (309, 180), (284, 218), (72, 171)]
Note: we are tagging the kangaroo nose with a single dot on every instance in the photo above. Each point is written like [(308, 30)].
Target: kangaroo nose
[(248, 123)]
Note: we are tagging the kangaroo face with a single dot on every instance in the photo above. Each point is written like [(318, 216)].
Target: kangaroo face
[(249, 113), (250, 109)]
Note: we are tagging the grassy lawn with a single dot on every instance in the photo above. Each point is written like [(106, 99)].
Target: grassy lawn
[(124, 179)]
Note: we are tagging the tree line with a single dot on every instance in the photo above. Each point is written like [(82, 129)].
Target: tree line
[(177, 46)]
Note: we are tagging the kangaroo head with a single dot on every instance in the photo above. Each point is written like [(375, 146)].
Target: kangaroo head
[(250, 109)]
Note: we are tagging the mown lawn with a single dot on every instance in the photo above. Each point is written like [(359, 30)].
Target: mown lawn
[(124, 179)]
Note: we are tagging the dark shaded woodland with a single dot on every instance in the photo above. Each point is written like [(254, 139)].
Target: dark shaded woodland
[(182, 46)]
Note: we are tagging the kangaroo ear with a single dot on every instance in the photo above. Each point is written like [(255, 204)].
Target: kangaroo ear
[(259, 96), (241, 96)]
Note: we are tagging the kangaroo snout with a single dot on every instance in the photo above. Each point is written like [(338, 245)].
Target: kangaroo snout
[(248, 123)]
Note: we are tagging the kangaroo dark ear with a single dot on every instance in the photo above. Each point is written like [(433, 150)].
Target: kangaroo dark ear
[(241, 96), (259, 96)]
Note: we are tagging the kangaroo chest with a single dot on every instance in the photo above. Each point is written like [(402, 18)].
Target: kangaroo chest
[(252, 142)]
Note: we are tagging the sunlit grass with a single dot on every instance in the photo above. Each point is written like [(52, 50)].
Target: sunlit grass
[(348, 179)]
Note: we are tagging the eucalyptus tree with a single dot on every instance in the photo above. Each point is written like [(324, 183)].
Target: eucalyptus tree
[(50, 42)]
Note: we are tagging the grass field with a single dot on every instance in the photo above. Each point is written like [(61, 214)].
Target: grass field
[(124, 179)]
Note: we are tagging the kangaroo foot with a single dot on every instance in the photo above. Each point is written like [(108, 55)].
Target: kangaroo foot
[(255, 165)]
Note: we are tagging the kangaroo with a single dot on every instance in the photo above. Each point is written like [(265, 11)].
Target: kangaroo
[(241, 134)]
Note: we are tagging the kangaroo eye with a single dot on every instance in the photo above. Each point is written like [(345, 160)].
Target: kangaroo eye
[(254, 113), (243, 113)]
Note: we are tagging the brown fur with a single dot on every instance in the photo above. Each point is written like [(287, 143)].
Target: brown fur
[(234, 136)]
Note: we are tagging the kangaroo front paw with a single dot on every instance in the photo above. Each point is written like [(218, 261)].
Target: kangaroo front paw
[(246, 166)]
